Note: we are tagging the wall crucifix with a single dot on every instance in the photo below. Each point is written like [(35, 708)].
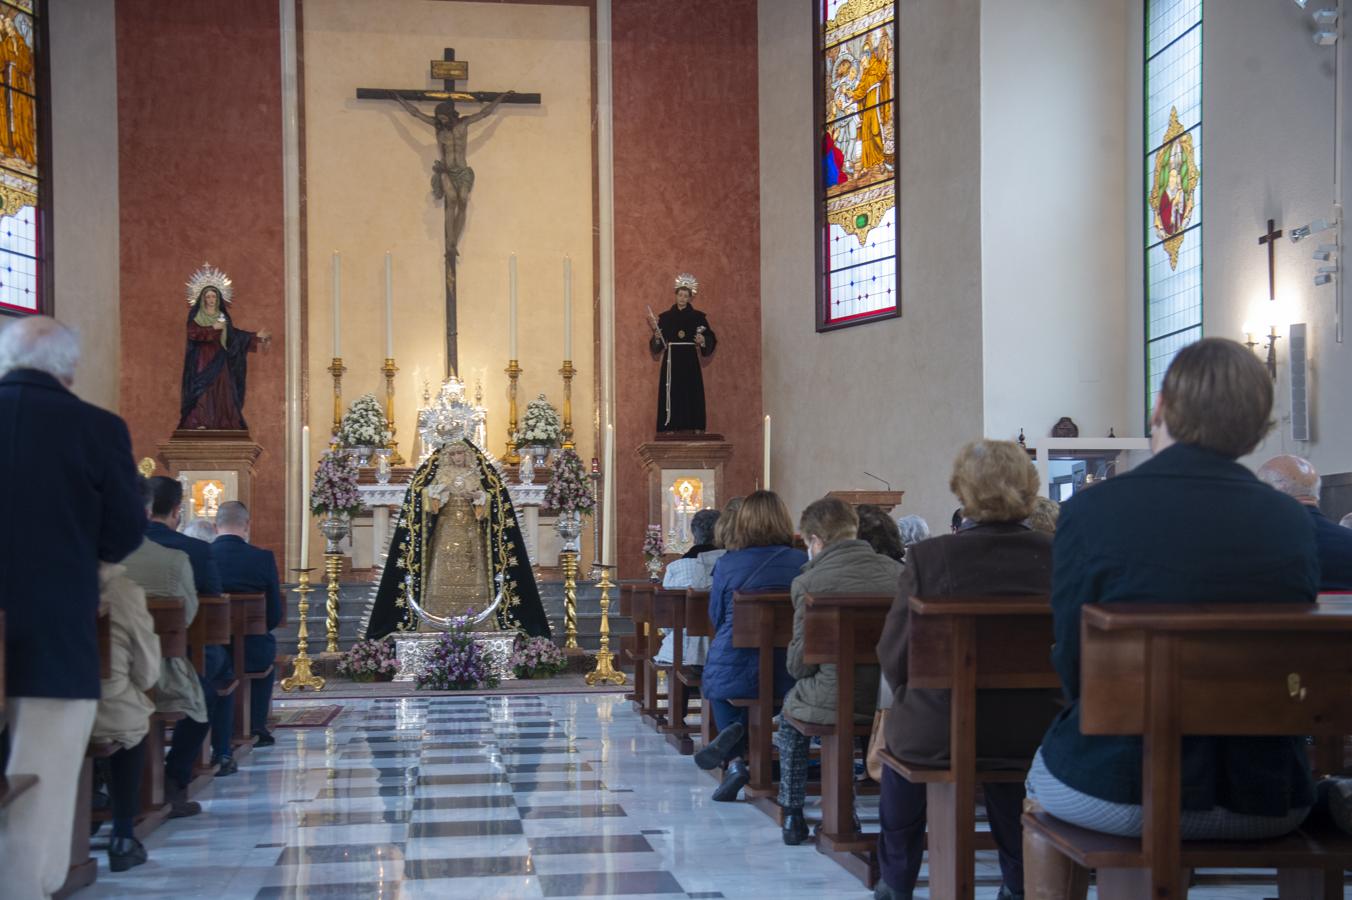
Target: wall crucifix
[(452, 178), (1270, 239)]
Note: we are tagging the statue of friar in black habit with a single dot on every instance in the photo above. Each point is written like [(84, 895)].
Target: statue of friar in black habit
[(681, 335)]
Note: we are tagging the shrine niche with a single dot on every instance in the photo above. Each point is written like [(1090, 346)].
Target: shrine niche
[(684, 476)]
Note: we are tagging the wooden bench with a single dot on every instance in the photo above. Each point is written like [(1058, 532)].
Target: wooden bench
[(842, 630), (698, 624), (171, 625), (248, 617), (632, 646), (211, 627), (669, 611), (647, 643), (1163, 671), (763, 621), (962, 645)]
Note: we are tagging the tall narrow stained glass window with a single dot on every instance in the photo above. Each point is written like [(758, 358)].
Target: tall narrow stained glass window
[(857, 162), (1173, 184), (21, 172)]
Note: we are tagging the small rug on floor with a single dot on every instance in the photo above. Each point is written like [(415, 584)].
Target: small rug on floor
[(304, 716)]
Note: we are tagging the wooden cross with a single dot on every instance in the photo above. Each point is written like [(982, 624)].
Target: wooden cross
[(1271, 240), (448, 70)]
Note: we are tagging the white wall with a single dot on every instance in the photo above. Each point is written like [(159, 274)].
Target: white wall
[(85, 250), (1055, 121)]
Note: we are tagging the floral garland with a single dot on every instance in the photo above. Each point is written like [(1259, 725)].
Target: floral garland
[(456, 663), (334, 489), (364, 425), (570, 489), (370, 661), (537, 657), (541, 426)]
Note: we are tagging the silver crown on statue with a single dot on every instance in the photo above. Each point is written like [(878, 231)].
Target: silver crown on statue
[(449, 418)]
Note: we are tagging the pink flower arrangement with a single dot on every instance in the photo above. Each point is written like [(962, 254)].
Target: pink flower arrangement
[(537, 657), (653, 546), (370, 661), (570, 489), (456, 663), (335, 485)]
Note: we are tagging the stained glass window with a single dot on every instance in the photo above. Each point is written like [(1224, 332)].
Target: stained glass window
[(857, 171), (1173, 184), (21, 217)]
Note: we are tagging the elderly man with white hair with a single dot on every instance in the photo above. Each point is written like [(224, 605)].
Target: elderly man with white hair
[(70, 499), (1297, 478)]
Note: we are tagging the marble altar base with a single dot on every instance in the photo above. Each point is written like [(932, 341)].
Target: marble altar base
[(413, 649)]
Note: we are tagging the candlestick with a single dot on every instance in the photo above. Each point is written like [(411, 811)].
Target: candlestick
[(333, 566), (567, 310), (305, 498), (389, 309), (336, 369), (766, 467), (337, 305), (301, 676), (392, 444), (595, 476), (568, 560), (608, 507), (568, 372), (605, 669), (511, 457), (511, 307)]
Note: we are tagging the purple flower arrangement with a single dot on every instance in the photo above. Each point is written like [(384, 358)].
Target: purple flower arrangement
[(335, 485), (653, 546), (537, 657), (456, 663), (570, 489), (370, 661)]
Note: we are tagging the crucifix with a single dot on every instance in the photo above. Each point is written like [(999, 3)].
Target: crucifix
[(452, 178), (1271, 240)]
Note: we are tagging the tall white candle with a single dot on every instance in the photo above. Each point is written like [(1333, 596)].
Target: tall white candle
[(337, 307), (765, 476), (511, 307), (389, 309), (305, 497), (567, 308), (608, 508)]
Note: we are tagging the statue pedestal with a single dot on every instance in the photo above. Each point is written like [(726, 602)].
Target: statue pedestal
[(215, 466), (684, 476), (413, 649)]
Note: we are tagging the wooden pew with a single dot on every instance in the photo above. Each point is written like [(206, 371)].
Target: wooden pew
[(691, 620), (962, 645), (698, 624), (633, 645), (248, 616), (647, 643), (1169, 670), (10, 786), (842, 630), (171, 625), (210, 627), (669, 610), (762, 620)]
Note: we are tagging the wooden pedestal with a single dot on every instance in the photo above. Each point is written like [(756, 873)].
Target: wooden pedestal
[(224, 456), (703, 456)]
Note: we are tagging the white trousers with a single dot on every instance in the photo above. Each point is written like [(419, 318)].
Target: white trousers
[(47, 738)]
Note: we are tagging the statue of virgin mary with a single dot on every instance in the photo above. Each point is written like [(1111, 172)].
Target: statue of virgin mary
[(457, 551), (216, 360)]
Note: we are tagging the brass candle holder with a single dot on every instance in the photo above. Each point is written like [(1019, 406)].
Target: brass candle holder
[(511, 457), (333, 565), (393, 444), (301, 676), (568, 372), (336, 369), (568, 559), (605, 670)]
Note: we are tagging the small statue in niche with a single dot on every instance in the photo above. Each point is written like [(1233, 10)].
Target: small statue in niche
[(681, 335), (1065, 428), (215, 363)]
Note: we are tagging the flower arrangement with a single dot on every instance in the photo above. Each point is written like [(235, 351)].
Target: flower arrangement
[(370, 661), (537, 657), (541, 426), (653, 545), (570, 489), (335, 485), (364, 424), (456, 662)]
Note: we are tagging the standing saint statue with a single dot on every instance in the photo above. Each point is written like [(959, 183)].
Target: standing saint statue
[(216, 360), (681, 335)]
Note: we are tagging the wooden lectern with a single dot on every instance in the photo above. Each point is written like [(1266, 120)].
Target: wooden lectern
[(884, 500)]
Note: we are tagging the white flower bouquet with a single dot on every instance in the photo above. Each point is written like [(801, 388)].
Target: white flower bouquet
[(541, 426), (364, 425)]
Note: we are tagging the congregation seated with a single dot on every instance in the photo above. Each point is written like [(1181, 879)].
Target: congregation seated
[(1299, 480), (695, 571), (1046, 512), (760, 557), (248, 569), (1189, 525), (877, 529), (839, 562), (124, 710), (994, 552), (913, 529), (203, 529)]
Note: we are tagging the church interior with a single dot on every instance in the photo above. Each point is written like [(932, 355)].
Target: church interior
[(614, 448)]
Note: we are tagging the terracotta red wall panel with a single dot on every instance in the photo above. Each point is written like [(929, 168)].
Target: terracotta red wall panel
[(200, 180), (687, 197)]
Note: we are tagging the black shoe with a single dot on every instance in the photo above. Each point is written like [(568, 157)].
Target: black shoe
[(180, 807), (264, 739), (125, 853), (225, 765), (712, 756), (733, 782), (882, 891), (1007, 894), (795, 827)]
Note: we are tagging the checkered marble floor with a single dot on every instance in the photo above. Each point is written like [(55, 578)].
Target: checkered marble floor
[(486, 797)]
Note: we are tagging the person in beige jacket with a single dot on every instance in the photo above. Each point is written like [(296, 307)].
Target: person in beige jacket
[(124, 710)]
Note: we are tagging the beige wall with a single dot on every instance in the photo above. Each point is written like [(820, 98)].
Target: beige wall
[(895, 398), (367, 171), (84, 188)]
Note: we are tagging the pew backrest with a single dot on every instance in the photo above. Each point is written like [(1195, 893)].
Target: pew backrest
[(697, 623), (171, 624), (829, 616), (1010, 640), (762, 618)]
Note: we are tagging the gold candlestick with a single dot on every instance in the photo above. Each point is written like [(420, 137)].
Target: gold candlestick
[(389, 369), (301, 676), (336, 369), (568, 559), (511, 457), (568, 372), (605, 669), (333, 564)]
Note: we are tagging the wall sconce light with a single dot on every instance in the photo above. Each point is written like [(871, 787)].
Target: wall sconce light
[(1325, 18), (1271, 339), (1326, 38), (1324, 252), (1301, 232)]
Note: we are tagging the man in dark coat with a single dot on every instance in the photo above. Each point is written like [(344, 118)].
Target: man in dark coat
[(1300, 481), (70, 498), (681, 335), (247, 569)]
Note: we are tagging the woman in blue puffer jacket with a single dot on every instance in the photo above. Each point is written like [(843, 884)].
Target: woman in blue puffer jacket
[(760, 558)]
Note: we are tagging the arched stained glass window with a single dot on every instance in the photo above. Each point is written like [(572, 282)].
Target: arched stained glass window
[(23, 223)]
